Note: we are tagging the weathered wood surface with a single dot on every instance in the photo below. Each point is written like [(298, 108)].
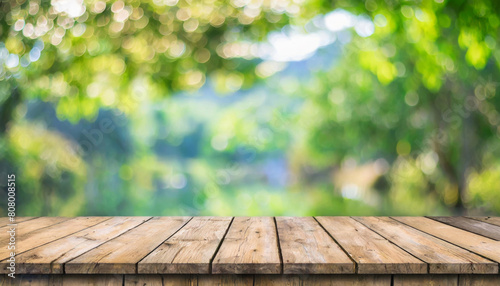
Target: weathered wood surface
[(481, 245), (63, 280), (372, 252), (6, 220), (190, 250), (441, 256), (27, 226), (489, 219), (250, 246), (307, 248), (251, 280), (475, 226), (121, 255), (200, 249), (29, 240), (419, 280), (323, 280), (199, 280), (479, 280), (50, 257), (141, 280)]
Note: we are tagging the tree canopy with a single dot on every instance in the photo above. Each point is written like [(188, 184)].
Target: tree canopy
[(423, 85), (68, 52)]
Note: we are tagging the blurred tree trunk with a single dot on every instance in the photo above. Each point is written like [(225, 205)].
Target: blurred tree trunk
[(467, 155), (8, 107), (456, 170)]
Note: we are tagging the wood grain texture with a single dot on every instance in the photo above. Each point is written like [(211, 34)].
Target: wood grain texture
[(29, 280), (49, 258), (27, 241), (255, 246), (471, 225), (250, 247), (372, 253), (35, 224), (63, 280), (323, 280), (423, 280), (481, 245), (479, 280), (143, 280), (489, 219), (180, 280), (225, 280), (190, 250), (86, 280), (26, 227), (6, 220), (307, 248), (121, 254), (442, 257)]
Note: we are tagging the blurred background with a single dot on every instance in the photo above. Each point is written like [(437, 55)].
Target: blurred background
[(250, 107)]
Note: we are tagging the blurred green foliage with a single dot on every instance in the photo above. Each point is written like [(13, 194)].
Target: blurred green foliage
[(168, 107)]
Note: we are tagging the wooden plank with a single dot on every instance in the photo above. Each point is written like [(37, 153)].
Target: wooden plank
[(20, 219), (372, 253), (29, 226), (86, 280), (479, 280), (32, 280), (422, 280), (277, 280), (143, 280), (347, 280), (323, 280), (477, 227), (483, 246), (225, 280), (307, 248), (442, 257), (202, 280), (180, 280), (489, 219), (121, 255), (27, 241), (250, 247), (190, 250), (49, 258), (6, 220), (35, 224)]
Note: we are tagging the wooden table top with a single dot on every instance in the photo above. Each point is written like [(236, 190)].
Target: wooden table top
[(254, 245)]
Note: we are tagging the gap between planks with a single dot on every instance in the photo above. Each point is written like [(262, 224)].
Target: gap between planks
[(220, 244), (43, 238), (373, 252), (64, 264), (279, 246), (341, 247), (118, 255), (475, 226), (137, 264), (442, 257)]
